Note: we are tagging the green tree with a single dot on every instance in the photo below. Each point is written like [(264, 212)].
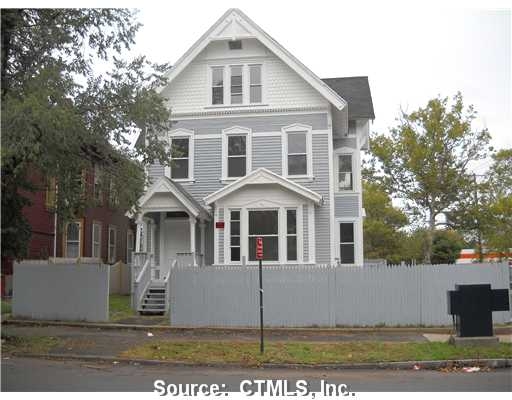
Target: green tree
[(60, 115), (446, 246), (424, 161), (382, 238)]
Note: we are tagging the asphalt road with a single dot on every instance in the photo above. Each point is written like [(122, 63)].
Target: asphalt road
[(24, 374)]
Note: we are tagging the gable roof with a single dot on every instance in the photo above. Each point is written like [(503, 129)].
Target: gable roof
[(263, 176), (356, 91), (166, 185), (234, 24)]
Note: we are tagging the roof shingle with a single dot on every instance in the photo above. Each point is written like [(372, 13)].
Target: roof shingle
[(356, 91)]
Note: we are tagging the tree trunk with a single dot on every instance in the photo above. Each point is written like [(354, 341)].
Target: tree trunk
[(430, 237)]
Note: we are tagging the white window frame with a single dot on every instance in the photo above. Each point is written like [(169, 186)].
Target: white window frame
[(296, 234), (98, 242), (246, 98), (358, 243), (112, 255), (210, 85), (129, 250), (280, 245), (79, 222), (356, 170), (228, 238), (236, 131), (250, 85), (182, 134), (298, 129)]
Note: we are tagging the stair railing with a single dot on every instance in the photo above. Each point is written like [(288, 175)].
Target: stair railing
[(142, 282), (167, 283)]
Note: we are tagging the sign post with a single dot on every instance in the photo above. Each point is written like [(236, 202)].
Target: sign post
[(259, 257)]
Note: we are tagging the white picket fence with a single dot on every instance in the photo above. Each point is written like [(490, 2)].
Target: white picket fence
[(324, 295)]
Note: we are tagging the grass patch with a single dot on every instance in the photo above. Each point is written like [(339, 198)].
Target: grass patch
[(6, 307), (310, 353), (120, 307), (33, 344)]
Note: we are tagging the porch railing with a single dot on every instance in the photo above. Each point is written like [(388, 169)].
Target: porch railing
[(189, 259), (141, 283), (167, 283)]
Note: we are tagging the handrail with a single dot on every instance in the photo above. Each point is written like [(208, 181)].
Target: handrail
[(147, 264), (141, 284)]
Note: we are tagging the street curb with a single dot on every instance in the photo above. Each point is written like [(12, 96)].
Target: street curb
[(497, 330), (394, 365)]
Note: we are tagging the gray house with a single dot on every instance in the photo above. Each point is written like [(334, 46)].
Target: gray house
[(266, 149)]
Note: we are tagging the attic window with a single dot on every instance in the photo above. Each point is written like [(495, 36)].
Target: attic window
[(235, 45)]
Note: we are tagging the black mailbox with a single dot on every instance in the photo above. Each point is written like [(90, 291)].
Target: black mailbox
[(473, 306)]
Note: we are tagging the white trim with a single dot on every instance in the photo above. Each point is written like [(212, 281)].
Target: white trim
[(332, 227), (252, 30), (192, 223), (263, 176), (358, 238), (312, 233), (111, 259), (165, 185), (297, 129), (248, 111), (236, 131), (161, 237), (356, 170), (216, 237), (255, 134), (97, 223), (182, 133), (128, 252)]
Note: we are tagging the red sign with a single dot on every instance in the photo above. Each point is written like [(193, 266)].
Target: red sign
[(259, 248), (219, 224)]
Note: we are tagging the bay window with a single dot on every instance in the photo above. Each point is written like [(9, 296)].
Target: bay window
[(265, 224), (345, 174), (291, 235), (234, 228), (347, 244)]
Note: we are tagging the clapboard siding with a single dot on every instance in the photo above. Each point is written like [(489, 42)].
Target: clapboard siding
[(266, 153), (346, 206), (321, 186), (261, 123), (155, 171)]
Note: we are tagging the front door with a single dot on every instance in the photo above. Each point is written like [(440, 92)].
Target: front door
[(176, 239)]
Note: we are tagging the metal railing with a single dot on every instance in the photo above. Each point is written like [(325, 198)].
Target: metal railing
[(141, 283)]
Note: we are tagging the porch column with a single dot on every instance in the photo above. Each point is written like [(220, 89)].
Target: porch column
[(193, 238), (202, 227), (138, 233)]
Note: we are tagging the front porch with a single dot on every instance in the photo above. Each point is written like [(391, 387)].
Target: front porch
[(171, 230)]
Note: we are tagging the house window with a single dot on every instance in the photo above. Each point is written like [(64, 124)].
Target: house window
[(96, 240), (345, 175), (237, 86), (264, 224), (237, 156), (112, 244), (97, 184), (129, 246), (218, 85), (291, 235), (51, 193), (180, 158), (297, 153), (73, 239), (347, 248), (234, 226), (255, 84)]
